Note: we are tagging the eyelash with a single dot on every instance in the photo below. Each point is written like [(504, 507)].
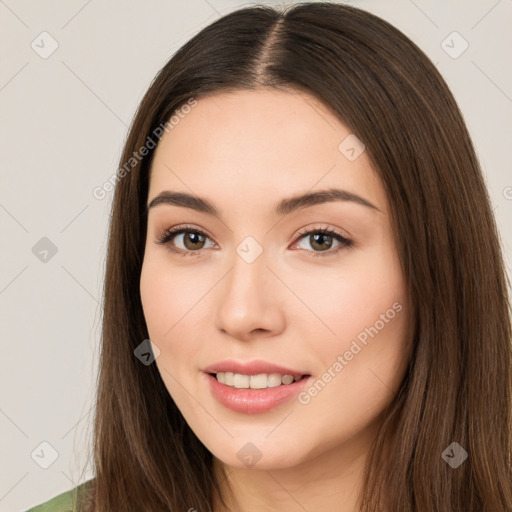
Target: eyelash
[(171, 233)]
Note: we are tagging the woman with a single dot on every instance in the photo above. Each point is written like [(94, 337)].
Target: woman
[(301, 228)]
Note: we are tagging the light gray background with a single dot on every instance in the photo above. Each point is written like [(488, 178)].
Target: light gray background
[(64, 120)]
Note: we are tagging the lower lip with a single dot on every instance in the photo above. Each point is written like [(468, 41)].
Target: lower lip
[(252, 401)]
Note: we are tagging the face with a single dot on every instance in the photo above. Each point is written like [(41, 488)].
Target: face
[(257, 288)]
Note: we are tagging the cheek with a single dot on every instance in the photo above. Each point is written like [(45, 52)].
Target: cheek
[(362, 366), (353, 296), (168, 304), (169, 297), (362, 308)]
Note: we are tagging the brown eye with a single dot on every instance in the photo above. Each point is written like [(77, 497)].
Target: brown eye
[(191, 240), (321, 241)]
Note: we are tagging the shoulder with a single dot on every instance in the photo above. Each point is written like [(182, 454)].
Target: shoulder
[(64, 502)]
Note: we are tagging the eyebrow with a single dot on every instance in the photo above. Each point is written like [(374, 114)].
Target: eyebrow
[(284, 207)]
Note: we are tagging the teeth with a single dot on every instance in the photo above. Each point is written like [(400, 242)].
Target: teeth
[(229, 378), (287, 379), (240, 381), (261, 381)]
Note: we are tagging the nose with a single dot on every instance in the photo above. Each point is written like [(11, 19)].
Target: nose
[(249, 301)]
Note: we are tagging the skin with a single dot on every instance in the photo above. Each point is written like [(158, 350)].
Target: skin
[(245, 151)]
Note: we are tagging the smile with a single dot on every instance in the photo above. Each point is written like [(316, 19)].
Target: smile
[(260, 381), (251, 400)]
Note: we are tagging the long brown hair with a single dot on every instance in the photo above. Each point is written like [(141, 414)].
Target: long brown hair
[(458, 386)]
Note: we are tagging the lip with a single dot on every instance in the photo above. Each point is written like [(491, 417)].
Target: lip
[(252, 368), (253, 401)]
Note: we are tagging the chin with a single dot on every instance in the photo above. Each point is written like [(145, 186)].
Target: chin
[(246, 454)]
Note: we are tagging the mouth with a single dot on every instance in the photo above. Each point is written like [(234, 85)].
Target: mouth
[(254, 386), (259, 381), (255, 393)]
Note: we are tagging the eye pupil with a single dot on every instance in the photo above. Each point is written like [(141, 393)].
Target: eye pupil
[(195, 238), (321, 236)]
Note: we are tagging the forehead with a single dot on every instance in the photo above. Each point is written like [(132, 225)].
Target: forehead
[(254, 147)]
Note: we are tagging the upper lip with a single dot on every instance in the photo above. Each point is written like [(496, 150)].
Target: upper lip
[(252, 368)]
